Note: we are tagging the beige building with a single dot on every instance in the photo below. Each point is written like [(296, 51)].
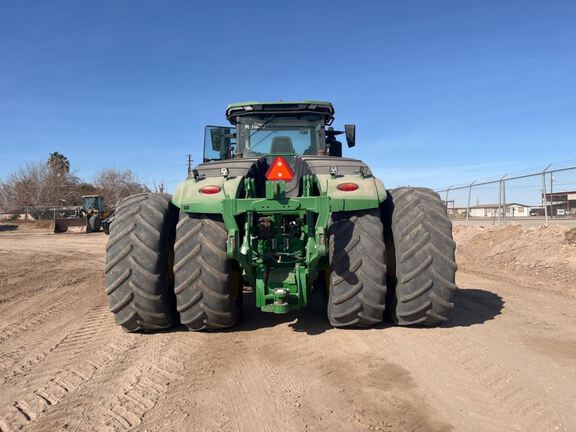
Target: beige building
[(491, 210), (561, 203)]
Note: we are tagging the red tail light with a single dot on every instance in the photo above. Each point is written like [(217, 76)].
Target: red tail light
[(347, 187), (210, 190), (280, 170)]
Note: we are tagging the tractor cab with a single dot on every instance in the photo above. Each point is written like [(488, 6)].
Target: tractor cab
[(272, 129), (92, 204)]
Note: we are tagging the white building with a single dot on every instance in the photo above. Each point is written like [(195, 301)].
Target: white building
[(491, 210)]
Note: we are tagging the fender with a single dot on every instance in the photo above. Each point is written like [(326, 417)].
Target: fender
[(370, 193), (189, 198)]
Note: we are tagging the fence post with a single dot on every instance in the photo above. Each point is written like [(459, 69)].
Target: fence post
[(500, 189), (551, 194), (446, 200), (544, 201), (469, 197), (504, 201), (499, 199)]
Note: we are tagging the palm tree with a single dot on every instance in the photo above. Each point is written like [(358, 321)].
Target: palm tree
[(58, 162)]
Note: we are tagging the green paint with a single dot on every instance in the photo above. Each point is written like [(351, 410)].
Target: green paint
[(280, 242)]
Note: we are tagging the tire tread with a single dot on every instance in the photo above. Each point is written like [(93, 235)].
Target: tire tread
[(202, 273), (357, 291), (139, 263), (421, 256)]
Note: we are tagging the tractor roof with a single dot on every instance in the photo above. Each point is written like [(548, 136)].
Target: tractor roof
[(253, 108)]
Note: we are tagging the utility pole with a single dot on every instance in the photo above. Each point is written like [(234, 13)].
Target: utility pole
[(189, 164)]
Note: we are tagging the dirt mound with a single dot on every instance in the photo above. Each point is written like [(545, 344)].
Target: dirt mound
[(533, 256), (570, 236)]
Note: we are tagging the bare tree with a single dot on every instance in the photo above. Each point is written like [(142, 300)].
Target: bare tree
[(50, 183), (37, 185), (114, 185), (158, 188)]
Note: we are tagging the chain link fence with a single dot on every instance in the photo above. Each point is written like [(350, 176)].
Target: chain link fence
[(544, 197), (34, 213)]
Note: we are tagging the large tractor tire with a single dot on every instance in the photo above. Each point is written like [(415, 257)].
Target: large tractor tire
[(208, 285), (140, 282), (357, 292), (421, 260)]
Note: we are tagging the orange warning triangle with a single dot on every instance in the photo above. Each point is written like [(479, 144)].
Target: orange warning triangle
[(280, 170)]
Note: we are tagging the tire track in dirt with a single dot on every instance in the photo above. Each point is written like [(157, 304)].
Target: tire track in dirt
[(14, 279), (50, 339), (154, 371), (530, 409), (250, 375), (119, 398), (280, 379), (366, 390), (228, 380), (58, 304), (64, 368), (502, 389), (55, 386)]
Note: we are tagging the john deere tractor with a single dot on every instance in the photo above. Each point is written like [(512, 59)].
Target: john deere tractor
[(274, 206)]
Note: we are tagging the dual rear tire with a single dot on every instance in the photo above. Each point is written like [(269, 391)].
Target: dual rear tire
[(139, 263), (420, 256), (163, 268), (357, 288), (208, 285), (397, 262)]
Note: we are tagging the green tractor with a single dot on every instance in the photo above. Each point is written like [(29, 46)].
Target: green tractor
[(275, 207)]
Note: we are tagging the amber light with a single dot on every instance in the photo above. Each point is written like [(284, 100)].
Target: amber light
[(347, 187), (210, 190)]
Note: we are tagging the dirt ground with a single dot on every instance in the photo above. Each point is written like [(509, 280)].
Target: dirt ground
[(506, 361)]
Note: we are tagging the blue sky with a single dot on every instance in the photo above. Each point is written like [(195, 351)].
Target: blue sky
[(442, 92)]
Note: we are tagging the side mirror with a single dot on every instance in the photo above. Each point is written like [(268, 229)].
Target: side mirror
[(220, 138), (350, 131), (218, 142)]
